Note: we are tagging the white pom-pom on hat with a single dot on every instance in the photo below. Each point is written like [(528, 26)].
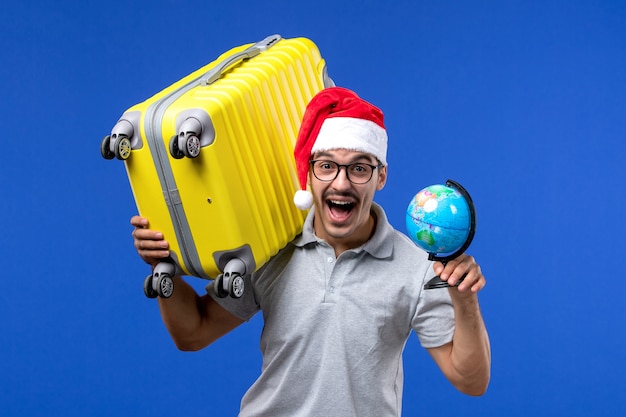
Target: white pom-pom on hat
[(303, 199)]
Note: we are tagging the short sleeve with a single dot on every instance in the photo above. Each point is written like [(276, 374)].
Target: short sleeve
[(433, 321)]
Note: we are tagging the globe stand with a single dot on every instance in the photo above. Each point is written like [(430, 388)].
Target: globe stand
[(437, 282)]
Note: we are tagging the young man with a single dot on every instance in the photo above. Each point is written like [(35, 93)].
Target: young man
[(340, 300)]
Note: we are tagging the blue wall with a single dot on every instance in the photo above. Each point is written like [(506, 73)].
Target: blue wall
[(521, 102)]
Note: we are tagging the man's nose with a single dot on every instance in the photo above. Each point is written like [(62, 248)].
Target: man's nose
[(341, 181)]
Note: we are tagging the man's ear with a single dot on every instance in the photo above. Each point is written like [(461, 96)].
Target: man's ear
[(382, 178)]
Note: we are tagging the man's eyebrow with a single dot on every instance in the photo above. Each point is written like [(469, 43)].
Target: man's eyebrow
[(356, 157)]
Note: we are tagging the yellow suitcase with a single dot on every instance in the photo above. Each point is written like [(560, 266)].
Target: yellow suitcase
[(210, 160)]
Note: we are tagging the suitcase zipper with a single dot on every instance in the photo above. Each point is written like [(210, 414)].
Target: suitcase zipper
[(153, 120)]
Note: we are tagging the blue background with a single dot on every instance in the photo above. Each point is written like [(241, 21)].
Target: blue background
[(522, 102)]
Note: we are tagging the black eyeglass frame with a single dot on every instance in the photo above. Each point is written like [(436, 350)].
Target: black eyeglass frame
[(339, 166)]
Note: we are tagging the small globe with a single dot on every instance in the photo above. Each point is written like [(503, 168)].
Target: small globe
[(438, 219)]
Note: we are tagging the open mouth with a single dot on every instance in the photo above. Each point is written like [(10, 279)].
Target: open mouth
[(340, 210)]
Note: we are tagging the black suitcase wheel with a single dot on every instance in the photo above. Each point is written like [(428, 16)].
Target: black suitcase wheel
[(192, 146), (174, 149), (105, 148), (165, 286), (219, 286), (148, 290), (122, 148), (237, 286)]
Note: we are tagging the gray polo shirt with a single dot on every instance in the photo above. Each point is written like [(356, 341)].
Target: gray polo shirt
[(335, 328)]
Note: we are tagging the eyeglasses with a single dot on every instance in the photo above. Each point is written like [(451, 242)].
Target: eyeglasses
[(357, 173)]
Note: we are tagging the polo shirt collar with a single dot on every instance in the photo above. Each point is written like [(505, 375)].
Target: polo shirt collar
[(379, 246)]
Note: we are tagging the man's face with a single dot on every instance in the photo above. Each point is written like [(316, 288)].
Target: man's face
[(342, 209)]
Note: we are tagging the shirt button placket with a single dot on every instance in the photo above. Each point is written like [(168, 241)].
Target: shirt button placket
[(330, 289)]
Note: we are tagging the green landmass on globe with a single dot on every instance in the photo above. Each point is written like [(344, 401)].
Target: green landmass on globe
[(425, 236)]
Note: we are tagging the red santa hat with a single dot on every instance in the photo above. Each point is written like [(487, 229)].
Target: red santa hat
[(336, 118)]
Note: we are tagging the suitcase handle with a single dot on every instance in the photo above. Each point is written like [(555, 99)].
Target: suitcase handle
[(216, 72)]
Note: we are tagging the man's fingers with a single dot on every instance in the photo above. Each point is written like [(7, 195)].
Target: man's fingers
[(146, 244), (139, 221), (147, 234), (150, 244)]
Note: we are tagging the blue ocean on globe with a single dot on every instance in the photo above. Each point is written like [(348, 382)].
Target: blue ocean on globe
[(438, 219)]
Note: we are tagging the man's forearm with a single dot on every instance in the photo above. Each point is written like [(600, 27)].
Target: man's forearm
[(181, 314), (471, 353)]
